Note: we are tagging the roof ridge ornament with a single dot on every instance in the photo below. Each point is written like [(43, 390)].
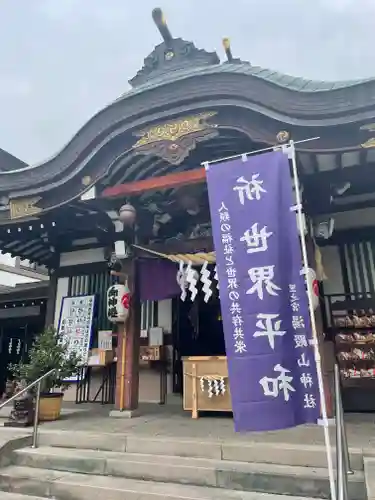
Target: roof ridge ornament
[(227, 48), (228, 52), (171, 55), (161, 24)]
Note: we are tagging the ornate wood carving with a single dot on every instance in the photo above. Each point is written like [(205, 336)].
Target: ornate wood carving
[(24, 207), (173, 141)]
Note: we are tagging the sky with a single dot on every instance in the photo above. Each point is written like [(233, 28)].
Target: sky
[(61, 61)]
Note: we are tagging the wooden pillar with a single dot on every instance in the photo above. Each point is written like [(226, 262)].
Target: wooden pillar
[(325, 348), (51, 301), (127, 373)]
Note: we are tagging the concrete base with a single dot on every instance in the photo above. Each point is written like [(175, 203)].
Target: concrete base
[(124, 413), (330, 421)]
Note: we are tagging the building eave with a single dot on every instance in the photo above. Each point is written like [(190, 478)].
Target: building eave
[(24, 272)]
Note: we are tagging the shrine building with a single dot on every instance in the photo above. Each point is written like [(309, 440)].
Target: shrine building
[(125, 201)]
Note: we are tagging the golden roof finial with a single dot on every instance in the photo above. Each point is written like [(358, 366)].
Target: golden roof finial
[(228, 51), (161, 24)]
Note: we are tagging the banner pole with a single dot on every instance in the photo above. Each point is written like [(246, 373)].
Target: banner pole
[(286, 148), (339, 408), (341, 458), (257, 151)]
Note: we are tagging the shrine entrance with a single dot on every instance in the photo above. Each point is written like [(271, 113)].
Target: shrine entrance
[(130, 189), (22, 317), (198, 331), (17, 336)]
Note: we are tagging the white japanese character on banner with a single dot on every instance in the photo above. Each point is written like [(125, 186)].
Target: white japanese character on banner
[(235, 308), (250, 190), (231, 272), (292, 288), (222, 208), (232, 283), (269, 325), (282, 383), (225, 228), (262, 278), (228, 249), (295, 306), (240, 347), (224, 217), (306, 380), (302, 361), (309, 401), (228, 260), (226, 238), (256, 240), (238, 333), (298, 322), (233, 295), (237, 320), (300, 341)]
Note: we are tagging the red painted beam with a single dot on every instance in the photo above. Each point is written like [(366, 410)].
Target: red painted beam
[(156, 183)]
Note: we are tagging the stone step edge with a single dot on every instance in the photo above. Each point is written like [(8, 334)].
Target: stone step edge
[(208, 464), (158, 489), (369, 468), (295, 447), (175, 440), (19, 496), (187, 440), (128, 443)]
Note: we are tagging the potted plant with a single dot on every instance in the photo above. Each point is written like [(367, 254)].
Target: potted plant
[(49, 350)]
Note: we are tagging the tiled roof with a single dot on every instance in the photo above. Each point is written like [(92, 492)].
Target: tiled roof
[(245, 68)]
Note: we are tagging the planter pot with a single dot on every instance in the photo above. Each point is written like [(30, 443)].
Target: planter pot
[(50, 406)]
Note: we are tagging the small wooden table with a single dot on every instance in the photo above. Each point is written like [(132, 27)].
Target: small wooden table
[(206, 384)]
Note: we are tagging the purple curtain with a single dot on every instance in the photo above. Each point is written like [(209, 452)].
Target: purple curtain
[(157, 279)]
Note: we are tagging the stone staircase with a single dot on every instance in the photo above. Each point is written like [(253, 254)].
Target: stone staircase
[(82, 466)]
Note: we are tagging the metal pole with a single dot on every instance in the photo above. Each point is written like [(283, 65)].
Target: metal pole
[(341, 469), (263, 150), (343, 426), (290, 150), (36, 416)]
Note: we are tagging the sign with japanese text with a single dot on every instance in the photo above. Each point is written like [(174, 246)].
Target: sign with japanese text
[(264, 304), (76, 324)]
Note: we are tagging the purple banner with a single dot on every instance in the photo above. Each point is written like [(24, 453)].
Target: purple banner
[(158, 279), (264, 305)]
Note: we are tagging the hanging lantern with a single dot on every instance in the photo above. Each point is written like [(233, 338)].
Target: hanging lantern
[(118, 303), (125, 300), (127, 214)]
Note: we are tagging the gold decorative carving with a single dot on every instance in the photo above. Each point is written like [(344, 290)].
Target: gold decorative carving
[(370, 143), (86, 180), (24, 207), (283, 136), (174, 130)]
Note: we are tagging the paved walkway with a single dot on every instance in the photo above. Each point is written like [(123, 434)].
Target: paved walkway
[(172, 421)]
